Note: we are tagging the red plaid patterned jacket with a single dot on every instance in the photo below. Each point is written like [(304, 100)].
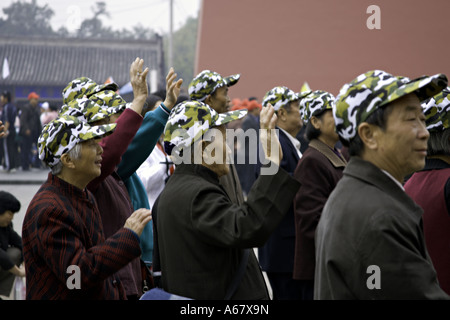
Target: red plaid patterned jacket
[(63, 227)]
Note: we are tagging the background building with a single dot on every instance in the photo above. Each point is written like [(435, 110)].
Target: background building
[(47, 65), (323, 42)]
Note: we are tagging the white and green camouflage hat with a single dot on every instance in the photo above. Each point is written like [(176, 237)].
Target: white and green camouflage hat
[(279, 97), (207, 82), (85, 110), (111, 100), (316, 102), (190, 120), (437, 111), (360, 98), (62, 134), (84, 86)]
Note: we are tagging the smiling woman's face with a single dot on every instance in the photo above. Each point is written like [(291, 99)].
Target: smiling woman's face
[(89, 163)]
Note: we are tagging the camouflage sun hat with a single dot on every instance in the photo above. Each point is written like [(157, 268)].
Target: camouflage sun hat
[(85, 110), (207, 82), (437, 111), (83, 86), (111, 100), (358, 99), (315, 103), (279, 97), (62, 134), (301, 95), (189, 120)]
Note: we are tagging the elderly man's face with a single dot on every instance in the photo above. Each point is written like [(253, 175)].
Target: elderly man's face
[(402, 146), (219, 101), (89, 164)]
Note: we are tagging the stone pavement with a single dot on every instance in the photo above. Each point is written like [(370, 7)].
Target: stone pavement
[(23, 185)]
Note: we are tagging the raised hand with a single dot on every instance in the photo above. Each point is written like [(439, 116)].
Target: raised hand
[(268, 136), (172, 89), (138, 78)]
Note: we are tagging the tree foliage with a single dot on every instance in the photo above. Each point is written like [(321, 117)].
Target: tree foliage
[(27, 19), (184, 46)]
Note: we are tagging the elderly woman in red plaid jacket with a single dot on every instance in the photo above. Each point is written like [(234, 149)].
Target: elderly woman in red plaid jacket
[(65, 251)]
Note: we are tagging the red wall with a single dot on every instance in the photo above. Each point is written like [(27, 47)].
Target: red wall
[(324, 42)]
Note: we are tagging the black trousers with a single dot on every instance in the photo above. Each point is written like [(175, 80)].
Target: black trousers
[(284, 287)]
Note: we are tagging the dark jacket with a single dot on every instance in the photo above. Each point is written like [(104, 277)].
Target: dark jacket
[(201, 233), (318, 171), (232, 185), (370, 233), (30, 120), (277, 254), (112, 196), (430, 189), (8, 238)]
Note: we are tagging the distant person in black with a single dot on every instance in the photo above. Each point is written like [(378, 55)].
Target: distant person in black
[(8, 143), (10, 244), (30, 129)]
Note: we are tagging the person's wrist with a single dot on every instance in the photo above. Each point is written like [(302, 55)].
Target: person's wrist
[(168, 104), (165, 107), (139, 98)]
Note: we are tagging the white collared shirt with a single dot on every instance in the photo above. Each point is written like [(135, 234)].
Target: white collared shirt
[(395, 180), (294, 141)]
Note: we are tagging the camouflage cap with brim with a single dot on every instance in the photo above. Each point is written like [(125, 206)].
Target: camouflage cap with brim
[(360, 98), (84, 86), (190, 120), (301, 95), (437, 111), (279, 97), (85, 110), (316, 102), (207, 82), (62, 134), (111, 100)]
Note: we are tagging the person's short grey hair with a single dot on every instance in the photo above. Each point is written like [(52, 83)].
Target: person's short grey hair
[(439, 143), (74, 153)]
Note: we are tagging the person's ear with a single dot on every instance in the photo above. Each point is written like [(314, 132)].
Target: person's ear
[(208, 100), (369, 135), (67, 161), (315, 122), (281, 114)]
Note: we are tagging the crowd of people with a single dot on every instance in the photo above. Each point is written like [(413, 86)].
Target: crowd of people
[(18, 148), (154, 194)]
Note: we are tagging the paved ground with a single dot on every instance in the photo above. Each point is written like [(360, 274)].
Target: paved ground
[(23, 185)]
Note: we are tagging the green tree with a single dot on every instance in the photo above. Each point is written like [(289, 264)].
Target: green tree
[(27, 19), (93, 27)]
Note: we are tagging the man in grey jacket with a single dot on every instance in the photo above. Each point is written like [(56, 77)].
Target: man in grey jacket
[(201, 236), (369, 242)]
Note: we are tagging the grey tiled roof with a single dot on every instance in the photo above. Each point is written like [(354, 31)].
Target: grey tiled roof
[(56, 61)]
